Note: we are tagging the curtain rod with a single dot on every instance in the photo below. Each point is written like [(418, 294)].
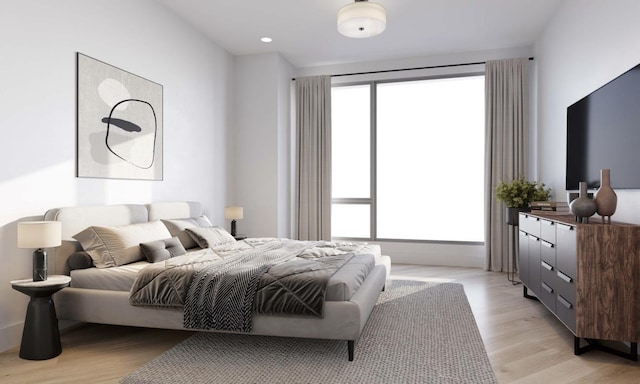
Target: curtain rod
[(410, 69)]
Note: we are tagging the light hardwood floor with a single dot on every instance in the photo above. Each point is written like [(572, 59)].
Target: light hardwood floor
[(524, 341)]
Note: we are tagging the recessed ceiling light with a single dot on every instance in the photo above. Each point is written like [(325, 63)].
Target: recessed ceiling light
[(266, 39)]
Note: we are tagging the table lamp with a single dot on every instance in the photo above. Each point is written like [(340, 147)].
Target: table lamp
[(39, 235), (233, 214)]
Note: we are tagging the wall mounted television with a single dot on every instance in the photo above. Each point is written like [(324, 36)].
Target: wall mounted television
[(603, 131)]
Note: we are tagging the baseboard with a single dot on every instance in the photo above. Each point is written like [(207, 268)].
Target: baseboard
[(67, 325), (443, 261), (10, 336), (442, 254)]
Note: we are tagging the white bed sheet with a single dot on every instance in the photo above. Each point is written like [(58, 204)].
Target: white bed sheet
[(110, 279)]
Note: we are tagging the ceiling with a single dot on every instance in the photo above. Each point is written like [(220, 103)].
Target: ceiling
[(304, 31)]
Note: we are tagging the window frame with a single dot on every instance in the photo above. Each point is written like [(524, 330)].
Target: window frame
[(372, 165), (372, 200)]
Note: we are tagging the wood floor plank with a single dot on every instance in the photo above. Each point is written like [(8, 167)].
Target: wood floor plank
[(525, 342)]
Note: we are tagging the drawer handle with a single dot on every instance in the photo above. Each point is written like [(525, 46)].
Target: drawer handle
[(551, 223), (546, 287), (564, 277), (546, 266), (564, 302), (547, 244), (566, 227)]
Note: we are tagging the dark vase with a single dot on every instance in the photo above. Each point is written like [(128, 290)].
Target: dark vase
[(606, 198), (583, 207), (513, 213)]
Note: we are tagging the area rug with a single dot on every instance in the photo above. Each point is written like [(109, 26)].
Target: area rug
[(418, 332)]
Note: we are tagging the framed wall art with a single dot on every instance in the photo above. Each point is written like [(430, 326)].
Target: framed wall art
[(119, 123)]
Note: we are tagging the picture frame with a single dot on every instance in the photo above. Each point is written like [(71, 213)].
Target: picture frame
[(119, 123)]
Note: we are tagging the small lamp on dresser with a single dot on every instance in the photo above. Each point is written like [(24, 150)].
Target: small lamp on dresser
[(39, 235), (233, 214)]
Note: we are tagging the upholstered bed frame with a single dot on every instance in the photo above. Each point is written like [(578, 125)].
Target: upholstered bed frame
[(343, 320)]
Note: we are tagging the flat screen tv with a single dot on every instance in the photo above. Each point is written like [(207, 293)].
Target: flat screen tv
[(603, 131)]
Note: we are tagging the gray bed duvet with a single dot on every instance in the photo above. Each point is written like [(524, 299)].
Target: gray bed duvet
[(275, 277)]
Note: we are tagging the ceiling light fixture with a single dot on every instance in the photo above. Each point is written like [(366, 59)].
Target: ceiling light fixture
[(266, 39), (362, 19)]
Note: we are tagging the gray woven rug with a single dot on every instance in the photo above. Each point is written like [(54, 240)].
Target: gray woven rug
[(419, 332)]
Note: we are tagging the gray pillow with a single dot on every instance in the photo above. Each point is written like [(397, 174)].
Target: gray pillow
[(177, 228), (208, 237), (79, 260), (119, 245), (160, 250)]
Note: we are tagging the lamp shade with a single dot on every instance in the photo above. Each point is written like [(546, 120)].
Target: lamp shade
[(362, 19), (233, 213), (39, 234)]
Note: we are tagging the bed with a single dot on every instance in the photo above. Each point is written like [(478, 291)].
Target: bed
[(102, 295)]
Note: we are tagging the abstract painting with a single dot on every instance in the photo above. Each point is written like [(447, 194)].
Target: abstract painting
[(119, 123)]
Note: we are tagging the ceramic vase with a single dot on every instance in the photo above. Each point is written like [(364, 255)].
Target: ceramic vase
[(606, 198), (583, 207)]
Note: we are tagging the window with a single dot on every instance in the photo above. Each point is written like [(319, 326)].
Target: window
[(351, 161), (408, 160)]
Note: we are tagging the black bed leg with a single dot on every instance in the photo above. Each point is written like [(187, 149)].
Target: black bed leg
[(350, 347)]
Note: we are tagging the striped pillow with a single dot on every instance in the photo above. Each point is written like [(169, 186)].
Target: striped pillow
[(177, 228), (112, 246), (209, 237)]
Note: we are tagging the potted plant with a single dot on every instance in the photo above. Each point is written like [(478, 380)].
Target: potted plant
[(518, 194)]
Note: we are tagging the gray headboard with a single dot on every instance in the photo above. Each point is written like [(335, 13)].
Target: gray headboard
[(75, 219)]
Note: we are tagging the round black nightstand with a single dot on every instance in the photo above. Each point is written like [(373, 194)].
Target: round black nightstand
[(40, 336)]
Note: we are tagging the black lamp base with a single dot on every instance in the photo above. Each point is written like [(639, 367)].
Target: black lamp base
[(39, 265), (233, 227)]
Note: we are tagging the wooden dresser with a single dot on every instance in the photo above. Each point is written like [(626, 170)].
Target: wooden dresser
[(588, 275)]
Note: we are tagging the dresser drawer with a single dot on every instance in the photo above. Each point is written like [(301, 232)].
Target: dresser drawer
[(548, 231), (534, 264), (547, 296), (548, 252), (566, 312), (523, 257), (566, 249), (530, 224), (548, 273), (565, 285)]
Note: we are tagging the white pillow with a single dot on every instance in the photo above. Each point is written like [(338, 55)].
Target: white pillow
[(119, 245)]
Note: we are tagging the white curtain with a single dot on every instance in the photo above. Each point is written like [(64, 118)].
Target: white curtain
[(313, 158), (506, 95)]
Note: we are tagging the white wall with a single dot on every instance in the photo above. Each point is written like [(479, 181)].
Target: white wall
[(262, 145), (286, 172), (38, 108), (587, 44), (427, 253)]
